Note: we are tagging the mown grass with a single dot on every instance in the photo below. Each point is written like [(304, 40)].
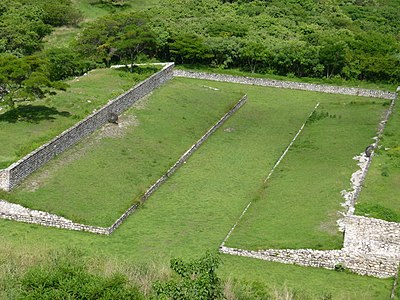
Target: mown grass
[(31, 125), (379, 197), (197, 206), (110, 171), (298, 207)]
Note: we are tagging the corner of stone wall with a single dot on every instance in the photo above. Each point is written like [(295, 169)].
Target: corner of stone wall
[(5, 179)]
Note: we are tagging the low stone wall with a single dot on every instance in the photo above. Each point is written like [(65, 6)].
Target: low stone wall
[(21, 169), (4, 179), (16, 212), (287, 84), (372, 265), (179, 162), (371, 247)]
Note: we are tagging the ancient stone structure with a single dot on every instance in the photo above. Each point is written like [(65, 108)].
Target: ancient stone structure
[(286, 84), (11, 176), (371, 246), (16, 212)]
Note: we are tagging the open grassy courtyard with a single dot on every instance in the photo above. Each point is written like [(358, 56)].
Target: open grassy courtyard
[(194, 210)]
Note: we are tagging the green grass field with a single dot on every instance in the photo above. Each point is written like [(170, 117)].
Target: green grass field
[(31, 125), (194, 210), (298, 207), (379, 196), (97, 180)]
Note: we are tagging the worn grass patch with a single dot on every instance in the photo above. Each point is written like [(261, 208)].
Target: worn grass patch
[(379, 197), (31, 125)]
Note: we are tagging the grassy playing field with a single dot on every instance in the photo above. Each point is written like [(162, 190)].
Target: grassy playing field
[(97, 180), (194, 210), (29, 126), (298, 206)]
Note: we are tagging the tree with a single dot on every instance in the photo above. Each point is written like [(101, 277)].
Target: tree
[(22, 28), (56, 12), (24, 79), (64, 63), (189, 48), (117, 37), (198, 280)]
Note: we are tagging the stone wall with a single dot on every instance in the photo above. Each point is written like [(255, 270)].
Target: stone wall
[(21, 169), (16, 212), (372, 265), (372, 236), (287, 84), (4, 179), (371, 247), (179, 162)]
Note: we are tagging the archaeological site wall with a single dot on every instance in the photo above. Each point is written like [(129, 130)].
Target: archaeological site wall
[(12, 175)]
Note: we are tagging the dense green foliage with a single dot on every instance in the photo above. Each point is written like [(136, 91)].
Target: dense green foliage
[(67, 278), (354, 40), (24, 79), (24, 24), (118, 37), (65, 275), (357, 40), (198, 280)]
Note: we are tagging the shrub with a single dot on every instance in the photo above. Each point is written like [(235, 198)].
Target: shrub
[(67, 278), (198, 280)]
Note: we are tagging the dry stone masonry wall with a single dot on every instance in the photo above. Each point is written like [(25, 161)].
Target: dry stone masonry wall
[(16, 212), (286, 84), (30, 163), (4, 179), (372, 236), (371, 246), (372, 265)]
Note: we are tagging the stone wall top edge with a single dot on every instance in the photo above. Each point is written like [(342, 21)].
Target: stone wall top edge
[(373, 220), (15, 164), (320, 87)]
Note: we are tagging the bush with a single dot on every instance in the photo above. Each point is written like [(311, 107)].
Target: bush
[(198, 280), (67, 278)]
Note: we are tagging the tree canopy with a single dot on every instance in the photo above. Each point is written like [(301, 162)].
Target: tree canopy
[(349, 39), (24, 79), (117, 37)]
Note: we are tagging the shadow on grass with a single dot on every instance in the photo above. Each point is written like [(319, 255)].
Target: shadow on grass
[(32, 114)]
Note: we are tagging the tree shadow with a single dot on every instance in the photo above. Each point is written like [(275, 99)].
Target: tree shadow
[(32, 114)]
